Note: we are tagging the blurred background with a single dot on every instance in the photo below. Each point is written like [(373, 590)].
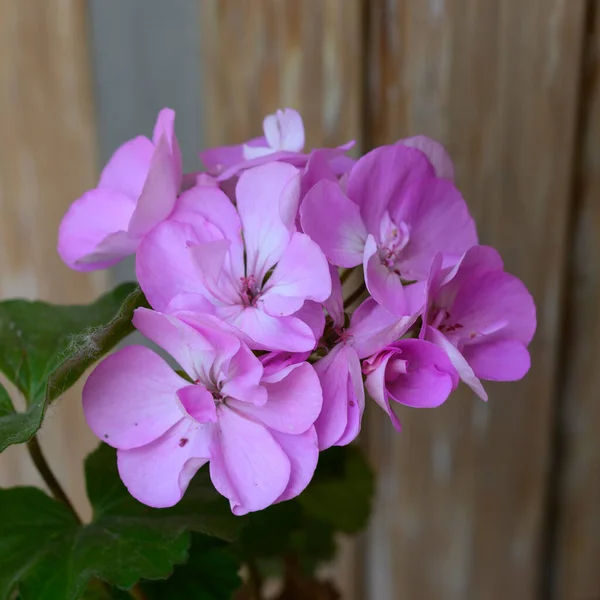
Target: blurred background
[(474, 502)]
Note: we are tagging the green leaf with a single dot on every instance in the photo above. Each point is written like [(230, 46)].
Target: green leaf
[(45, 348), (211, 573), (49, 555), (341, 490)]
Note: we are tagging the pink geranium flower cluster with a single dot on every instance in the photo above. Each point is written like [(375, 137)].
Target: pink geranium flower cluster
[(241, 265)]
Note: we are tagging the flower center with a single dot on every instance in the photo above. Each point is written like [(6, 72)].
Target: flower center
[(250, 290), (394, 240), (442, 320)]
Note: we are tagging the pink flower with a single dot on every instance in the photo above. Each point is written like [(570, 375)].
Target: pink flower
[(283, 140), (395, 217), (435, 152), (253, 425), (411, 372), (137, 190), (249, 267), (482, 317)]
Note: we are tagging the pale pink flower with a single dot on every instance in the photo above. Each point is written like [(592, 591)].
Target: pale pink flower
[(250, 267), (137, 190), (253, 424), (283, 140)]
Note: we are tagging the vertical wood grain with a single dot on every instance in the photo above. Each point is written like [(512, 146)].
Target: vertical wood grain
[(260, 55), (47, 159), (461, 499), (578, 507)]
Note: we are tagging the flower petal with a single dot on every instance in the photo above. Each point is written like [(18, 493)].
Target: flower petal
[(293, 403), (253, 463), (92, 222), (334, 223), (384, 285), (160, 191), (128, 167), (435, 152), (381, 176), (267, 200), (301, 274), (498, 360), (458, 361), (284, 130), (303, 453), (130, 398), (158, 474), (194, 353), (274, 333), (373, 327), (198, 403)]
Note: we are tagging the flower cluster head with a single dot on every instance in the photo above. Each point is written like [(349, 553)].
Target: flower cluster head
[(283, 283)]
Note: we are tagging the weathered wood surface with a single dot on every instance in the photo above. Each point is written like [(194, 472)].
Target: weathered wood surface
[(260, 55), (462, 492), (47, 159), (578, 503)]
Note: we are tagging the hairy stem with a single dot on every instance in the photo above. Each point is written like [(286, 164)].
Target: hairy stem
[(355, 295), (35, 451)]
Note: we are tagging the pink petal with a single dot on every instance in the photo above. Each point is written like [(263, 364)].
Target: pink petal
[(334, 223), (356, 402), (194, 353), (373, 327), (312, 314), (159, 473), (334, 305), (293, 403), (165, 126), (130, 398), (90, 220), (198, 403), (213, 216), (244, 373), (256, 470), (217, 159), (341, 394), (381, 176), (435, 152), (458, 361), (128, 167), (384, 285), (303, 453), (284, 130), (267, 201), (500, 360), (439, 221), (160, 191), (211, 259), (301, 274), (317, 169), (164, 265), (274, 333)]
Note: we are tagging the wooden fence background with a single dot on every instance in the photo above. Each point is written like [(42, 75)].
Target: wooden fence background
[(474, 502)]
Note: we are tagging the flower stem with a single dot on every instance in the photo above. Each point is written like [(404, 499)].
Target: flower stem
[(344, 276), (35, 451), (255, 580), (355, 295), (137, 592)]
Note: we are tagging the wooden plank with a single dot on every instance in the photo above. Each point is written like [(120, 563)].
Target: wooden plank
[(461, 500), (578, 548), (260, 55), (47, 159)]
